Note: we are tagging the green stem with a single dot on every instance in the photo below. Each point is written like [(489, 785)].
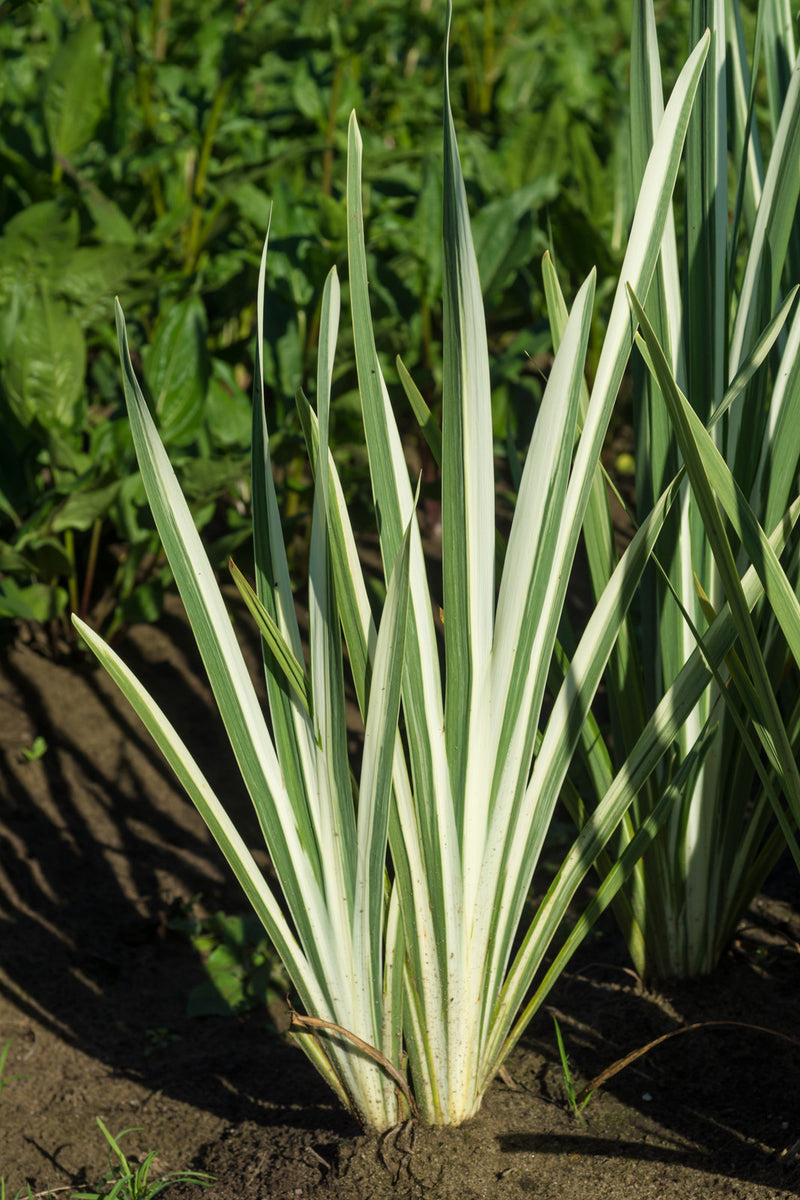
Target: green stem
[(91, 565), (72, 583), (160, 26), (198, 187)]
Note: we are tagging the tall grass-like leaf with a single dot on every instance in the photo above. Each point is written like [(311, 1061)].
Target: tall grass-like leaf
[(401, 903), (301, 830), (467, 484), (713, 321), (703, 463)]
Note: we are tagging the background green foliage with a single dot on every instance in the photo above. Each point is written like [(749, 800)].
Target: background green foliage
[(241, 966), (140, 151)]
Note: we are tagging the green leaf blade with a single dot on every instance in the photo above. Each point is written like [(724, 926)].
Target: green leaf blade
[(467, 470)]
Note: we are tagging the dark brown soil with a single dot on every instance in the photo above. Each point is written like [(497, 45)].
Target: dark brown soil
[(98, 848)]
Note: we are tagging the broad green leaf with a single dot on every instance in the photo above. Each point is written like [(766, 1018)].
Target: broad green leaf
[(111, 224), (33, 554), (75, 94), (227, 410), (178, 370), (34, 602), (85, 506), (43, 375), (93, 275), (37, 241), (505, 233)]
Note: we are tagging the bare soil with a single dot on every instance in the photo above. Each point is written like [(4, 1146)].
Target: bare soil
[(98, 848)]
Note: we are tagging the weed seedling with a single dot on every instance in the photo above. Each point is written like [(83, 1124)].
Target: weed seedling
[(243, 970), (37, 750), (566, 1074), (23, 1193), (126, 1181), (158, 1039), (5, 1080)]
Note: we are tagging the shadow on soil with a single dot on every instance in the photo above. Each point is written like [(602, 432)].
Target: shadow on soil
[(99, 848)]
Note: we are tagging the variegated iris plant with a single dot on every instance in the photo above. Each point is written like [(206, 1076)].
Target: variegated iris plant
[(723, 353), (402, 916)]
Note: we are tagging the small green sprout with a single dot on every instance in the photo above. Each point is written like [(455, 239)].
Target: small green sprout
[(159, 1038), (5, 1080), (36, 751), (23, 1193), (130, 1182), (572, 1099)]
